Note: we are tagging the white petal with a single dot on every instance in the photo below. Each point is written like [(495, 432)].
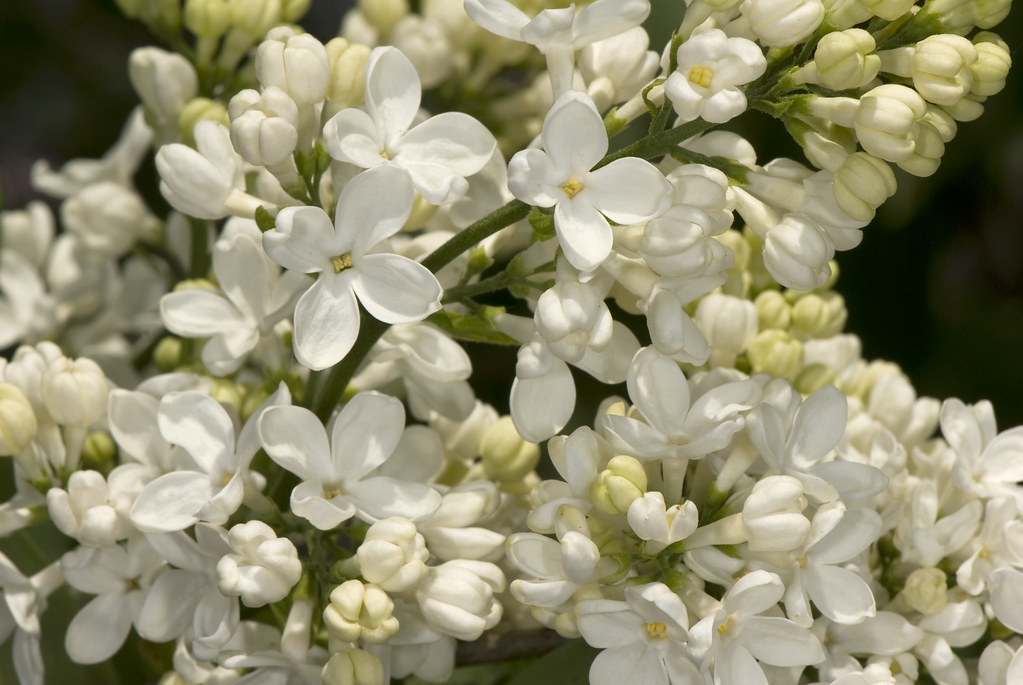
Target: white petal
[(629, 190), (99, 629), (542, 405), (573, 134), (326, 321), (383, 497), (497, 16), (840, 594), (392, 91), (366, 433), (736, 665), (198, 313), (395, 289), (817, 427), (583, 232), (171, 502), (307, 501), (659, 390), (297, 441), (352, 136), (373, 206), (533, 178), (632, 663), (780, 642), (170, 605), (303, 239), (200, 425), (243, 274), (451, 139), (435, 182)]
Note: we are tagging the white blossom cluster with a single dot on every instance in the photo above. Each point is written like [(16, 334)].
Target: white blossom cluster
[(251, 420)]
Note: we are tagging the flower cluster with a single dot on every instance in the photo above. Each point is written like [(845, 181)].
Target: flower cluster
[(251, 424)]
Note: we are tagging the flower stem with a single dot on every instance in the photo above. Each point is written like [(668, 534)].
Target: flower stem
[(659, 144), (502, 217)]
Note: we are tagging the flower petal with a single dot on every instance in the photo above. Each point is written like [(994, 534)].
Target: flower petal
[(99, 629), (352, 136), (393, 91), (583, 232), (573, 134), (452, 139), (395, 289), (629, 190), (302, 240), (198, 313), (297, 441), (497, 16), (326, 321), (170, 604), (383, 497), (171, 502), (374, 206), (200, 425), (366, 433)]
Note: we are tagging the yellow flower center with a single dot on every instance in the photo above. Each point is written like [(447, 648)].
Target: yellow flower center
[(383, 153), (332, 493), (572, 188), (725, 627), (701, 75), (657, 630), (341, 262)]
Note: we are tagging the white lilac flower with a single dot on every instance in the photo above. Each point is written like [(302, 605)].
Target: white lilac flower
[(626, 191), (22, 603), (394, 289), (262, 568), (643, 638), (457, 598), (337, 476), (988, 463), (552, 569), (393, 554), (711, 67), (94, 509), (617, 68), (214, 487), (559, 32), (437, 154), (253, 297)]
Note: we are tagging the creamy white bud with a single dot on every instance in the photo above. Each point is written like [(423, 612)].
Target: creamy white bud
[(255, 17), (780, 23), (888, 9), (107, 217), (393, 554), (926, 590), (941, 68), (383, 14), (75, 392), (992, 65), (165, 81), (264, 128), (885, 121), (797, 252), (618, 485), (773, 515), (207, 18), (353, 666), (844, 59), (927, 151), (728, 323), (85, 511), (862, 184), (776, 353), (29, 231), (457, 598), (347, 72), (359, 611), (18, 423), (820, 315), (505, 454), (297, 64), (263, 568)]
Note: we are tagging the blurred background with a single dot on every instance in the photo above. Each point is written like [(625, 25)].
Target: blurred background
[(936, 286)]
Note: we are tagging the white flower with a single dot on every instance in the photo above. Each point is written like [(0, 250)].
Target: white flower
[(75, 392), (393, 555), (295, 63), (988, 464), (711, 66), (617, 68), (627, 191), (253, 298), (457, 598), (559, 32), (263, 568), (394, 289), (213, 489), (643, 638), (658, 525), (22, 603), (553, 569), (94, 510), (336, 481), (165, 81), (780, 23), (107, 217), (18, 424), (264, 126), (360, 611), (437, 154)]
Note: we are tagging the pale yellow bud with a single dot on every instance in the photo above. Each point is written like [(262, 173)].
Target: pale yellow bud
[(255, 17), (347, 72), (353, 666), (618, 485), (926, 590), (843, 59), (888, 9), (18, 423), (360, 610), (940, 67), (929, 148), (207, 18), (776, 353), (293, 10), (383, 14), (992, 65), (200, 109), (226, 392), (813, 378), (820, 315), (167, 355), (98, 449), (862, 184), (773, 310), (506, 456)]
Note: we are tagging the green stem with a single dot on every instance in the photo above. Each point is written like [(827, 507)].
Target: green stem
[(502, 217), (370, 330), (658, 144), (199, 267)]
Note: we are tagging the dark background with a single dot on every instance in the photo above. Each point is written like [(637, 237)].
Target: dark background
[(937, 284)]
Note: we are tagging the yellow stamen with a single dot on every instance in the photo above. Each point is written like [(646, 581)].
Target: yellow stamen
[(331, 494), (657, 630), (341, 262), (701, 75), (572, 188), (383, 153), (726, 626)]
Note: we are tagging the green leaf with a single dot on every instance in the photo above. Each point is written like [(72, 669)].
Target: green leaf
[(470, 328), (566, 665), (264, 219)]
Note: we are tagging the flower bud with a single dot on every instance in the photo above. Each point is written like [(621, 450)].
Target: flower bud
[(426, 46), (797, 252), (18, 423), (264, 126), (107, 217), (167, 355), (360, 611), (297, 64), (888, 9), (393, 554), (263, 568), (75, 392), (780, 23), (940, 68), (347, 72), (29, 231), (84, 511), (728, 323), (618, 485), (774, 352), (927, 151), (353, 666), (196, 110), (926, 590), (99, 449), (773, 310), (506, 455), (773, 515), (819, 315), (164, 81), (813, 377), (843, 59), (255, 18), (293, 10), (885, 121), (862, 184), (207, 18), (992, 65), (383, 14), (457, 598)]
